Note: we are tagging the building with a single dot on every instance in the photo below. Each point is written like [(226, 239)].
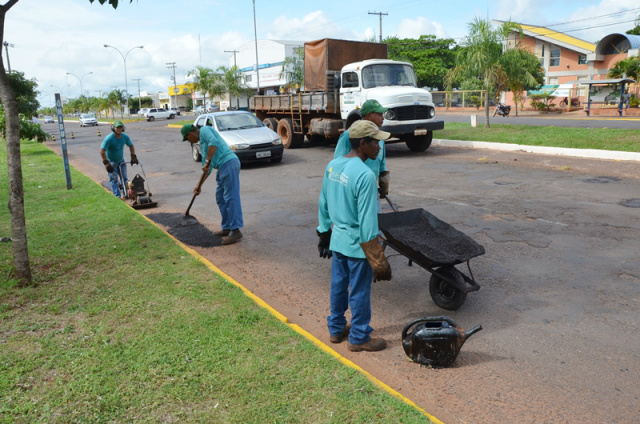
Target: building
[(572, 66), (271, 56)]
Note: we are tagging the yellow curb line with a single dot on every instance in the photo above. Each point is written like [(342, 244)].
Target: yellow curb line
[(296, 327)]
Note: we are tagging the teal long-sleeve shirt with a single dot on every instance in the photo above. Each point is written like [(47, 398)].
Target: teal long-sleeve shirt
[(210, 137), (348, 201), (377, 165)]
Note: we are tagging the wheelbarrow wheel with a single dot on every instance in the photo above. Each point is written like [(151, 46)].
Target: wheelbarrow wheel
[(444, 294)]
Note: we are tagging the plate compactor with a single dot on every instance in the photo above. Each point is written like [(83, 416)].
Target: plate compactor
[(139, 193)]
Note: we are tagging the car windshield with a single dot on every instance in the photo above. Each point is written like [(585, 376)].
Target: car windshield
[(86, 116), (237, 121), (387, 74)]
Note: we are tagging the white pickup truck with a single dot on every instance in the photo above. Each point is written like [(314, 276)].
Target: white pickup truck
[(159, 113)]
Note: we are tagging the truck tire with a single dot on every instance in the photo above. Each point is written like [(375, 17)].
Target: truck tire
[(271, 123), (419, 143), (289, 138)]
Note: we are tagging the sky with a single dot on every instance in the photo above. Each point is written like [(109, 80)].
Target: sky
[(51, 38)]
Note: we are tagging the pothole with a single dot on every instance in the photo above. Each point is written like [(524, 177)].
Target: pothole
[(630, 203)]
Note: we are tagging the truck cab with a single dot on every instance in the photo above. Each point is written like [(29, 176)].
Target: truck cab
[(411, 113)]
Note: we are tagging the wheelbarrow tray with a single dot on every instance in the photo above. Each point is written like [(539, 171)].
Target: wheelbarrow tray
[(426, 240)]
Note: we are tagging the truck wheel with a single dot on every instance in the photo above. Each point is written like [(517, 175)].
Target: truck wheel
[(419, 143), (271, 123), (444, 294), (289, 138)]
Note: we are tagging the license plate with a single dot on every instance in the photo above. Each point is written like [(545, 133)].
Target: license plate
[(420, 132), (263, 154)]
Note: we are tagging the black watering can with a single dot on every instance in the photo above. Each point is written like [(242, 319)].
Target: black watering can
[(434, 341)]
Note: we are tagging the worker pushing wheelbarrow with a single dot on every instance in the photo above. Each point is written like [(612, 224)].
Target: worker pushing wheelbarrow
[(437, 247)]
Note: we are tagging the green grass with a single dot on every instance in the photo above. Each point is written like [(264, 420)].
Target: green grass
[(124, 326), (579, 138)]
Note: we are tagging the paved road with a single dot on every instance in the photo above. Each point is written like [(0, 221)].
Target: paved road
[(572, 119), (559, 302)]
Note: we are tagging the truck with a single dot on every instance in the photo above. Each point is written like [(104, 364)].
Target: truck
[(339, 76)]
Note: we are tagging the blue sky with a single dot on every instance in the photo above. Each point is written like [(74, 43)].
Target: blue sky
[(53, 37)]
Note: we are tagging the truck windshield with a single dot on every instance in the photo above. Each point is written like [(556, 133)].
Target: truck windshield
[(387, 74)]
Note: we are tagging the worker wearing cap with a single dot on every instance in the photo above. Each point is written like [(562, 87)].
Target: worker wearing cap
[(348, 202), (112, 153), (216, 154), (371, 110)]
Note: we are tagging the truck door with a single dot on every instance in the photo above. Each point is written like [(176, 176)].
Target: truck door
[(349, 93)]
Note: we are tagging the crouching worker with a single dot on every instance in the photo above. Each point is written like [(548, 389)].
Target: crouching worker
[(348, 201)]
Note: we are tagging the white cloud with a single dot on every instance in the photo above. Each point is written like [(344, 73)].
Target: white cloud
[(313, 26), (414, 28)]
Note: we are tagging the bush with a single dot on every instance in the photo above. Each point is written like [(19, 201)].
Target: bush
[(542, 102), (634, 101)]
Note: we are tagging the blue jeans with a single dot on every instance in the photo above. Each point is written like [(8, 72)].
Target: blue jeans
[(228, 194), (351, 280), (119, 174)]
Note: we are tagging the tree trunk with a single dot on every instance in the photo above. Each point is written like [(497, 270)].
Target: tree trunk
[(14, 165)]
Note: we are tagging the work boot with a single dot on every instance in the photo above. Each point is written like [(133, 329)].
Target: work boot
[(222, 233), (234, 236), (338, 338), (373, 345)]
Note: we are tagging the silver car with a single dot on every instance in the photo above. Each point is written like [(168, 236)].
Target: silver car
[(245, 134), (87, 119)]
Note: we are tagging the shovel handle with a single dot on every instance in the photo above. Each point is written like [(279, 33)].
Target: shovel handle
[(202, 177), (393, 206)]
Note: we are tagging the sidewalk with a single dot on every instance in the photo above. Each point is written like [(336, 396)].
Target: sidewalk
[(556, 151)]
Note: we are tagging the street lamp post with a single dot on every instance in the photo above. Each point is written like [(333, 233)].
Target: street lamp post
[(124, 58), (80, 79), (255, 36)]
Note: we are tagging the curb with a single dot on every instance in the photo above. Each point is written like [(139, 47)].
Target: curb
[(556, 151)]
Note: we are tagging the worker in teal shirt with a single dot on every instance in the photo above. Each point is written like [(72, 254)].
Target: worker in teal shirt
[(112, 154), (348, 201), (217, 154), (371, 110)]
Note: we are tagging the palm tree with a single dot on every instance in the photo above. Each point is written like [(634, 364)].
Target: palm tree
[(232, 83), (523, 72), (116, 99), (293, 69), (629, 68), (480, 56), (206, 81)]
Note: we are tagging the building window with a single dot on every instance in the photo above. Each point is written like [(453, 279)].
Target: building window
[(553, 80), (582, 59), (554, 56), (247, 78)]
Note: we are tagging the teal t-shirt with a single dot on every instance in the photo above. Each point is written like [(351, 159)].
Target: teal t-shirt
[(114, 146), (377, 165), (210, 137), (348, 200)]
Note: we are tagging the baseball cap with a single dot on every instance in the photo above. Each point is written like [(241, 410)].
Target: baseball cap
[(186, 129), (118, 124), (372, 106), (363, 128)]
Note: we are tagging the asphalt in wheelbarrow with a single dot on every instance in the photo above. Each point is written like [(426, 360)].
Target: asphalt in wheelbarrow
[(427, 240)]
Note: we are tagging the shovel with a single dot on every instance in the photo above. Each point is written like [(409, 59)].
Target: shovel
[(188, 219), (393, 205)]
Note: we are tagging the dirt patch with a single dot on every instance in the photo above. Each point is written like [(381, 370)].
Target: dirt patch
[(196, 235)]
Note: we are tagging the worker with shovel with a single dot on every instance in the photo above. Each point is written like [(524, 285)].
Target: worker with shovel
[(112, 153), (348, 201), (217, 154)]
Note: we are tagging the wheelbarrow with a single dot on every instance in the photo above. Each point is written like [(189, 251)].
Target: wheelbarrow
[(435, 246)]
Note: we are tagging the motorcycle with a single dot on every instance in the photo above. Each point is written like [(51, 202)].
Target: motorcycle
[(502, 110), (574, 102)]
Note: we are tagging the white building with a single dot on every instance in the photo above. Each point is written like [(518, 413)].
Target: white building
[(271, 55)]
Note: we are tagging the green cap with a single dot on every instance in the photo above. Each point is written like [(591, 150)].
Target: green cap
[(186, 129), (372, 106), (118, 124)]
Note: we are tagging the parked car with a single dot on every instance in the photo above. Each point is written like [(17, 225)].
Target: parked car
[(48, 119), (159, 113), (87, 119), (175, 110), (245, 134)]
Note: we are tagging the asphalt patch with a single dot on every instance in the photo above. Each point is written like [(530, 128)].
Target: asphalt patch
[(196, 235), (631, 203), (602, 180)]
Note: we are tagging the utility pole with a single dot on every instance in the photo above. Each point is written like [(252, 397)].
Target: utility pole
[(172, 65), (6, 47), (234, 56), (255, 37), (380, 14), (139, 99)]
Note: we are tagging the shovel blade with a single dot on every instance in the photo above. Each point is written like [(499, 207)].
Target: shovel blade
[(188, 220)]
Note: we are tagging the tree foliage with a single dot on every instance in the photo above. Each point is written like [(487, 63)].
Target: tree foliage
[(523, 72), (293, 69), (479, 57), (636, 29), (26, 93), (231, 82), (431, 57), (629, 67)]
